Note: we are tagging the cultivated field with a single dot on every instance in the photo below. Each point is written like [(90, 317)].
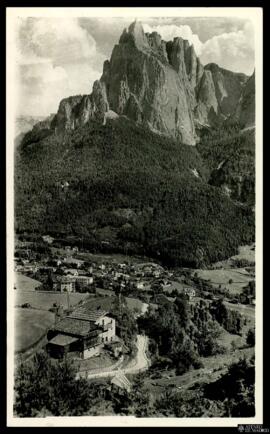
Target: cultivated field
[(45, 300), (30, 326), (25, 283)]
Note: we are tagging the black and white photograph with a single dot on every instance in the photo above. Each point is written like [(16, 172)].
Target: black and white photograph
[(134, 216)]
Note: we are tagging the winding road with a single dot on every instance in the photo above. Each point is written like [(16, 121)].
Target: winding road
[(139, 363)]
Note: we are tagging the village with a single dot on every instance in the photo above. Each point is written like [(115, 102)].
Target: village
[(66, 298), (70, 270), (64, 270)]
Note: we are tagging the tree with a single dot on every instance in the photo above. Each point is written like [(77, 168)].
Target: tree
[(233, 345), (235, 389), (125, 321), (186, 358), (219, 311), (49, 281), (141, 397), (182, 309), (231, 320), (250, 339), (207, 336), (121, 400), (43, 386)]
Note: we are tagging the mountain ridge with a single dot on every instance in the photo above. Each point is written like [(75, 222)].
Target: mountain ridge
[(160, 85)]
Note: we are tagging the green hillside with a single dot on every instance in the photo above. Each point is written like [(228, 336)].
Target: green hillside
[(126, 189)]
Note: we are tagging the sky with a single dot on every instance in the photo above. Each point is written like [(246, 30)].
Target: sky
[(59, 57)]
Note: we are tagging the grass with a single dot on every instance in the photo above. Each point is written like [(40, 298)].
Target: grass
[(104, 360), (246, 253), (227, 338), (239, 277), (249, 313), (134, 304), (104, 303), (30, 326), (110, 258), (25, 283), (45, 300)]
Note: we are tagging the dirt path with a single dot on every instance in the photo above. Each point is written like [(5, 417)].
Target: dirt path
[(247, 129)]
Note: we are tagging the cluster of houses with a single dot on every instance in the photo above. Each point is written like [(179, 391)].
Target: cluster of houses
[(68, 283), (69, 273)]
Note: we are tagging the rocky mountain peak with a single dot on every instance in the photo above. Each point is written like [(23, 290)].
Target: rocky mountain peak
[(136, 30), (160, 85), (134, 35)]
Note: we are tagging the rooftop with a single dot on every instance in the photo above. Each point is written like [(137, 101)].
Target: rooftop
[(72, 260), (62, 340), (89, 314), (75, 326), (66, 279)]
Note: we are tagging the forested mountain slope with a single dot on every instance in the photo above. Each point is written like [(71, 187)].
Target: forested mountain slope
[(129, 188)]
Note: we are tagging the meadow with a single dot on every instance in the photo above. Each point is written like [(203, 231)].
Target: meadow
[(45, 300), (30, 326), (234, 279), (25, 283)]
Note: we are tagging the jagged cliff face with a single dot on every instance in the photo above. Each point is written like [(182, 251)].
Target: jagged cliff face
[(144, 86), (161, 85), (245, 109)]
